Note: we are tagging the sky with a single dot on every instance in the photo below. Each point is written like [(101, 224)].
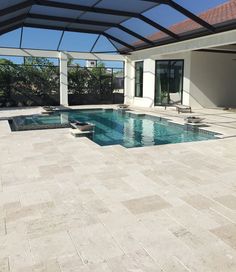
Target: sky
[(81, 42)]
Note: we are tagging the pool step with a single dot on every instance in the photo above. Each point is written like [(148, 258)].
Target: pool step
[(78, 133)]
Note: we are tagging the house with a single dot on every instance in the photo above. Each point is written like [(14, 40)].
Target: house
[(199, 71)]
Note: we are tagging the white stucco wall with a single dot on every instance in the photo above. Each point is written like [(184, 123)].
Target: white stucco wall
[(213, 80), (129, 82), (149, 79), (148, 85)]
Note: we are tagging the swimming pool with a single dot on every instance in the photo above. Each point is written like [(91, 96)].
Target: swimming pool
[(113, 127)]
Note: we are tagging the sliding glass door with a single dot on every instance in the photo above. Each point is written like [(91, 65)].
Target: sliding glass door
[(169, 82)]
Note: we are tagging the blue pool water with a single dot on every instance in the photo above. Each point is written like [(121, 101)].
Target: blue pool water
[(116, 127)]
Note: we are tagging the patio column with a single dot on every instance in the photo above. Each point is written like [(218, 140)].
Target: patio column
[(149, 82), (63, 79), (129, 81)]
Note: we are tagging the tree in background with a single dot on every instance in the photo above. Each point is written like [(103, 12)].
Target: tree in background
[(33, 83), (7, 78)]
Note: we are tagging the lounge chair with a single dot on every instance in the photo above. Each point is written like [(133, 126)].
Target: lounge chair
[(174, 100)]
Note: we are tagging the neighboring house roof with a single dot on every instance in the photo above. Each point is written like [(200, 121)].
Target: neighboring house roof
[(219, 15)]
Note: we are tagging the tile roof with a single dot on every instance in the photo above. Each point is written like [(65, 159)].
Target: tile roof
[(223, 13)]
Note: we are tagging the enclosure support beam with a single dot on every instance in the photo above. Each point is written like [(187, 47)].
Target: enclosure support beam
[(63, 79)]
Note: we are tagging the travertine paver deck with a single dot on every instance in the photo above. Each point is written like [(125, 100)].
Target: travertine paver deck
[(68, 205)]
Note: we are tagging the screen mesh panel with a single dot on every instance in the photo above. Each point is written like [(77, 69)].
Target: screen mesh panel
[(80, 2), (170, 19), (14, 15), (55, 11), (122, 35), (103, 17), (43, 38), (5, 29), (129, 24), (131, 5), (119, 46), (206, 9), (103, 45), (10, 39), (91, 27), (140, 27), (45, 22), (200, 6), (6, 4), (82, 42)]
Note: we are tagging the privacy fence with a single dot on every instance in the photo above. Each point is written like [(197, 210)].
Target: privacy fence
[(39, 84)]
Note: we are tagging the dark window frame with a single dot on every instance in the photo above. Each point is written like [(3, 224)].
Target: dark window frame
[(140, 82)]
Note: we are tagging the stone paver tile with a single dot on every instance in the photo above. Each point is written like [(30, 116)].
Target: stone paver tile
[(47, 266), (27, 213), (8, 197), (35, 198), (52, 246), (99, 267), (59, 222), (95, 207), (227, 233), (54, 169), (70, 263), (108, 173), (146, 204), (3, 226), (4, 265), (199, 202), (138, 261), (130, 239), (86, 195), (16, 247), (48, 189), (228, 201), (157, 220), (193, 238), (217, 257), (140, 183), (118, 220), (225, 212), (162, 245), (1, 186), (11, 207), (216, 189), (112, 184), (190, 218), (95, 244), (173, 264), (196, 261), (217, 217)]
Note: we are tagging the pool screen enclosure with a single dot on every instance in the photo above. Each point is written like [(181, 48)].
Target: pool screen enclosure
[(128, 25)]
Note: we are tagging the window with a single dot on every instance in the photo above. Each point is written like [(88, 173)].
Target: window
[(139, 79), (169, 81)]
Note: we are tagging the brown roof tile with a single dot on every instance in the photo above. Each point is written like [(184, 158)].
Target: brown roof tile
[(220, 14)]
